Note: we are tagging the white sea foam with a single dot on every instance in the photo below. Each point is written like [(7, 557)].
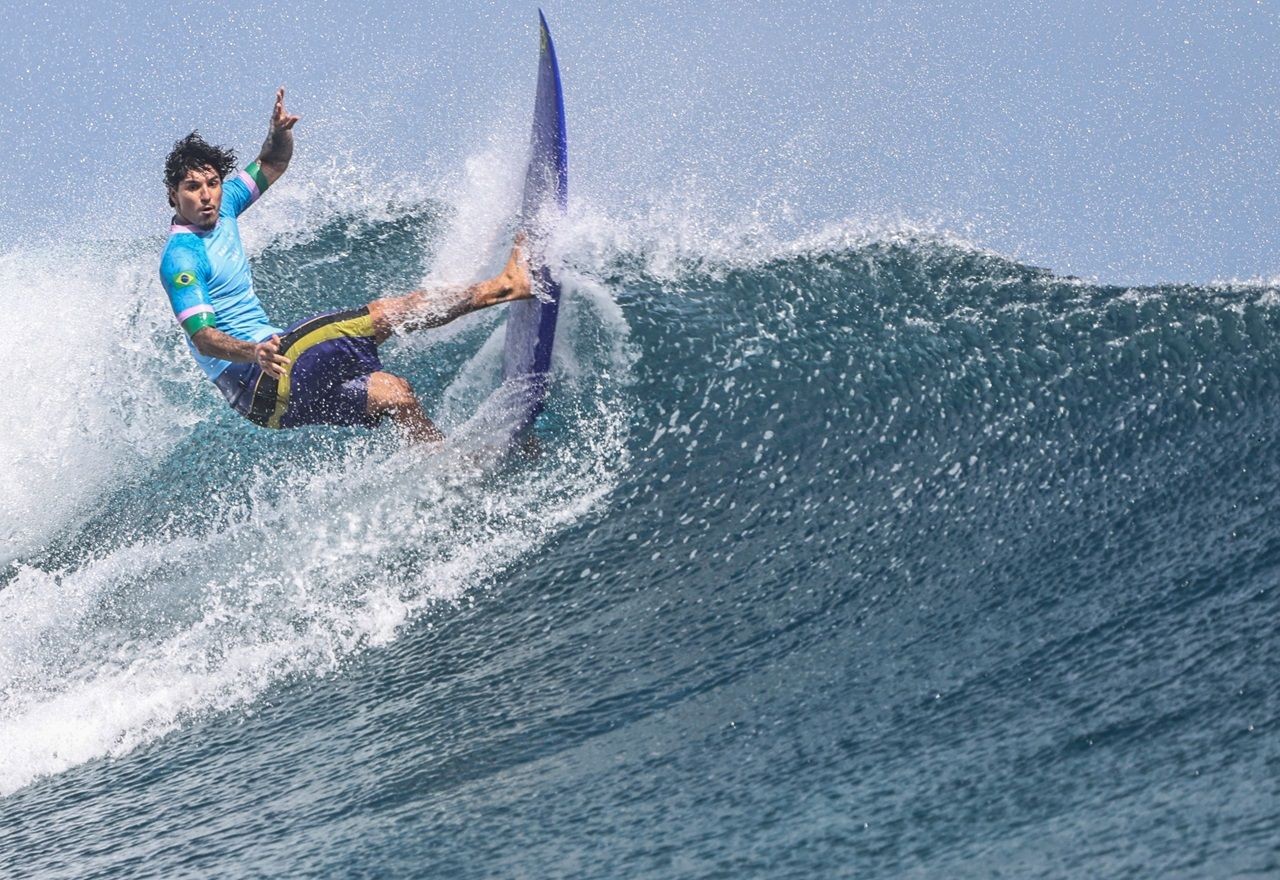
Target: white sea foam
[(340, 564), (95, 391), (667, 238)]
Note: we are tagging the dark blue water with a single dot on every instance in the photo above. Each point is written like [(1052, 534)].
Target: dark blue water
[(856, 557)]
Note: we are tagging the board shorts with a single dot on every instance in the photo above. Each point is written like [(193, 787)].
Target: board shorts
[(326, 383)]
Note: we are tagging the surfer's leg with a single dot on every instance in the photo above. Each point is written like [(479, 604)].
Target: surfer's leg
[(432, 308), (392, 396)]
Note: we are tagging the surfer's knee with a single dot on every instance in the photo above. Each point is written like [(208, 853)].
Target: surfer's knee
[(393, 397), (389, 393)]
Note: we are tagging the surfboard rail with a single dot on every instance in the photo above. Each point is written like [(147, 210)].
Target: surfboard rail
[(531, 324)]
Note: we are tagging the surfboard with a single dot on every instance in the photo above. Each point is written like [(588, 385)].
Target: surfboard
[(531, 324)]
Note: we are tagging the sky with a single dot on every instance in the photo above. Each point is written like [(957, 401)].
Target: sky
[(1130, 142)]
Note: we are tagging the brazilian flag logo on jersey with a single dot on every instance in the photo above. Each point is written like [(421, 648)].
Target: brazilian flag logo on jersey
[(184, 279)]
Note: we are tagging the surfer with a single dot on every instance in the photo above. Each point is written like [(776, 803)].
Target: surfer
[(323, 369)]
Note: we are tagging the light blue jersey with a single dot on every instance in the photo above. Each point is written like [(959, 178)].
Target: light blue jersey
[(206, 273)]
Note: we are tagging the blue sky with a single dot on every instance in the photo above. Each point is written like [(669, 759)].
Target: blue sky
[(1129, 142)]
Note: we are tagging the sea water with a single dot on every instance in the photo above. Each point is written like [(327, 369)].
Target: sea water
[(858, 552)]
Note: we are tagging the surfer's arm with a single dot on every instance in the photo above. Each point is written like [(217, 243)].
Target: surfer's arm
[(183, 271), (277, 149), (212, 342), (247, 186)]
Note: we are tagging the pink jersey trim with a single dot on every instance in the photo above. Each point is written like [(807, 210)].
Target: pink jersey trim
[(254, 192), (194, 310), (177, 227)]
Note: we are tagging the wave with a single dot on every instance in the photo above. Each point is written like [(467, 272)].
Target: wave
[(890, 414)]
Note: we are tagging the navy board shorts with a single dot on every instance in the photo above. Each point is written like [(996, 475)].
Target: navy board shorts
[(326, 383)]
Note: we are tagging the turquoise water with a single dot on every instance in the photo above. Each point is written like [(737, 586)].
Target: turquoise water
[(864, 554)]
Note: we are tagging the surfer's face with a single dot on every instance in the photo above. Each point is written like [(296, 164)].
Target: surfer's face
[(197, 197)]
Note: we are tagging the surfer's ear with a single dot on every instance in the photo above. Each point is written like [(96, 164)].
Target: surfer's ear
[(168, 190)]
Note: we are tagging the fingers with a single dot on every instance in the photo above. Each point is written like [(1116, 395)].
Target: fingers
[(281, 118), (269, 358), (275, 368)]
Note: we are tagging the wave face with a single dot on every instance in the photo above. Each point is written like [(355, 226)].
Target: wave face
[(868, 554)]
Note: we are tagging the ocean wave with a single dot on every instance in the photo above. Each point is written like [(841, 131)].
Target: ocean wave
[(847, 423)]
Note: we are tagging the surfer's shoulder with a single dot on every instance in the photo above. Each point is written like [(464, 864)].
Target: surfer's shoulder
[(183, 256)]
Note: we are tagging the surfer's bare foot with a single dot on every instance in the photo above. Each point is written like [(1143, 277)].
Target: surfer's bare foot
[(514, 282), (433, 308)]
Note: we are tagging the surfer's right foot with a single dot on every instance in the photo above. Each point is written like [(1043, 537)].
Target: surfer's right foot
[(514, 282)]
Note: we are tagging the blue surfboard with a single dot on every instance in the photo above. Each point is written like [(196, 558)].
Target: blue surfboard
[(531, 324)]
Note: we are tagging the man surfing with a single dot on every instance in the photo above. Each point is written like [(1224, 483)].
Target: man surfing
[(321, 370)]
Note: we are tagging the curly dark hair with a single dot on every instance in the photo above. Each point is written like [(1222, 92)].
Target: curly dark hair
[(193, 152)]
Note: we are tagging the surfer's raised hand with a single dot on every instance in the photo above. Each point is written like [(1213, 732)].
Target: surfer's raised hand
[(277, 149), (281, 119)]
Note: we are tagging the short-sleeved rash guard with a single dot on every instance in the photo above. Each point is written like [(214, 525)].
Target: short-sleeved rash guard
[(206, 273)]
